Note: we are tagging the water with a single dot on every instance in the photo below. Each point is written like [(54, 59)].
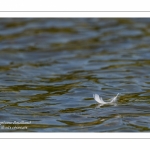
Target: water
[(50, 69)]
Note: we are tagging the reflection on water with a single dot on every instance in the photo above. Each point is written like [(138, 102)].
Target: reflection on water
[(50, 69)]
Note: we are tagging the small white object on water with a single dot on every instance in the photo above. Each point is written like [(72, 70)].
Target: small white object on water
[(100, 100)]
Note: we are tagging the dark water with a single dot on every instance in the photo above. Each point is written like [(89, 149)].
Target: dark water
[(50, 68)]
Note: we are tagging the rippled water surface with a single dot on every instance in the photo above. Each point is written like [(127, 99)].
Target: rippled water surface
[(50, 69)]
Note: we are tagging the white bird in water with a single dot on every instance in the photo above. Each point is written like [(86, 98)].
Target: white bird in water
[(100, 100)]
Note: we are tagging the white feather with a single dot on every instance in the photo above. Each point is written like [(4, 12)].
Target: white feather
[(100, 100)]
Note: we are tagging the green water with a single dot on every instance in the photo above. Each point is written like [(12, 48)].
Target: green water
[(50, 69)]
